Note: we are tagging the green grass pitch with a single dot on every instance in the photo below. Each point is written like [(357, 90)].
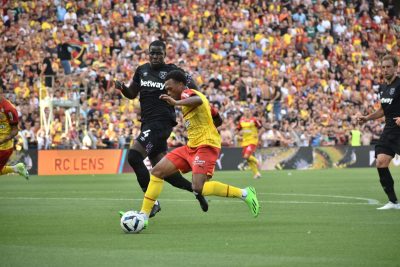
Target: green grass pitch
[(308, 218)]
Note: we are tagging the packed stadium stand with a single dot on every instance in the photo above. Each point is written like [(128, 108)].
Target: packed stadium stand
[(305, 68)]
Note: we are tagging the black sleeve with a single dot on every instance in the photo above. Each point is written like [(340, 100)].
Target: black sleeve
[(136, 76)]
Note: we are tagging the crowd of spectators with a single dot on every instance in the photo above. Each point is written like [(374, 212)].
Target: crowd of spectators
[(305, 68)]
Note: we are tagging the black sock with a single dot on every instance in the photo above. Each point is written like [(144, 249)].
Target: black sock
[(135, 159), (179, 181), (387, 183)]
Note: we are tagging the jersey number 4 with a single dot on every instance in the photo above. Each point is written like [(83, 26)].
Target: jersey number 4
[(146, 133)]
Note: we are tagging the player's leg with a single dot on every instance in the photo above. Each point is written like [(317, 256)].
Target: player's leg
[(385, 177), (252, 161), (159, 150), (17, 168), (244, 164), (3, 161), (159, 139), (385, 150), (203, 164), (214, 188), (163, 168), (177, 180), (136, 155)]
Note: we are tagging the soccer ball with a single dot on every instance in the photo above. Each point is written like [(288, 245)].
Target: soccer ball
[(132, 222)]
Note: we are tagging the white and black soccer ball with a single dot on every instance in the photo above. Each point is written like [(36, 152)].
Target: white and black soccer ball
[(132, 222)]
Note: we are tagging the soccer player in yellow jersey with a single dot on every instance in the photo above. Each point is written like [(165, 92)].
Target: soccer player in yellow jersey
[(8, 130), (248, 127), (200, 153)]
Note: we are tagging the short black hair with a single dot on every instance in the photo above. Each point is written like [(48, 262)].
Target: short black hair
[(176, 75), (158, 43), (392, 58)]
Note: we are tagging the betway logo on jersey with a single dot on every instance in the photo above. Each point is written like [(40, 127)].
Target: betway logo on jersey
[(386, 100), (152, 84)]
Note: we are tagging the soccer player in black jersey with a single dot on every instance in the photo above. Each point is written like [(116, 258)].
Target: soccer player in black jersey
[(158, 119), (389, 142)]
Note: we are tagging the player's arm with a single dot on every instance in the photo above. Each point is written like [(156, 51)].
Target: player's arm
[(192, 101), (130, 92), (373, 116), (133, 90), (189, 98), (397, 121)]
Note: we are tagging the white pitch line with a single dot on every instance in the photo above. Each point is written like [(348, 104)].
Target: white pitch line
[(316, 202), (181, 200), (370, 201)]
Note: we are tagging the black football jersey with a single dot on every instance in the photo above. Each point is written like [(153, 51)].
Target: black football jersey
[(151, 84), (389, 96)]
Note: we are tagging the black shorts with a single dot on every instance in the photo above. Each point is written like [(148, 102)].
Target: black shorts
[(153, 137), (389, 143)]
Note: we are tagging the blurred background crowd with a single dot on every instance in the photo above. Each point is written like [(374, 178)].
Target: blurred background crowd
[(306, 68)]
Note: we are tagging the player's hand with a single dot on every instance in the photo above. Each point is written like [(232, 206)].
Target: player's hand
[(119, 85), (168, 99), (362, 119), (397, 121)]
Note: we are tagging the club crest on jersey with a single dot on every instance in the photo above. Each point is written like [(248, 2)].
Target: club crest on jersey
[(391, 92), (145, 73), (162, 74)]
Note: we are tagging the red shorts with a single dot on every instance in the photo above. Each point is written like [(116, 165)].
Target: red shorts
[(4, 156), (199, 160), (249, 150)]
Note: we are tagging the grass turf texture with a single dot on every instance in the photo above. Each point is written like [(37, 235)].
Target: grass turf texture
[(308, 218)]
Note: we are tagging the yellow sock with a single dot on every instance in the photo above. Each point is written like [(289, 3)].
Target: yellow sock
[(221, 190), (153, 191), (6, 170), (253, 164), (253, 167), (253, 159)]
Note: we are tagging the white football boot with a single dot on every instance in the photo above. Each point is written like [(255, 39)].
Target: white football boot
[(390, 206)]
